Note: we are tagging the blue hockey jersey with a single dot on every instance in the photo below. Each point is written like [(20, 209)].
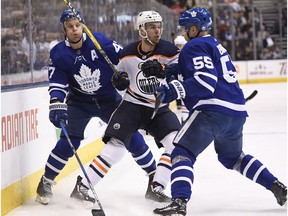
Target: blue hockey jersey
[(210, 77), (84, 71)]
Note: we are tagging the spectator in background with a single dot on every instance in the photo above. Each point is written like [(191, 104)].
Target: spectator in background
[(26, 44), (12, 59), (179, 6), (278, 53), (266, 54), (42, 50)]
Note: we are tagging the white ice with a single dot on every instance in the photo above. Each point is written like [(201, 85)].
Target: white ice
[(216, 191)]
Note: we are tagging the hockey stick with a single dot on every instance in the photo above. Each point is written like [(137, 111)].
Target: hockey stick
[(252, 95), (95, 212), (91, 36), (159, 97)]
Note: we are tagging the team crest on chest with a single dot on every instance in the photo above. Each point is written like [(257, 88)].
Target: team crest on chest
[(88, 81), (147, 85)]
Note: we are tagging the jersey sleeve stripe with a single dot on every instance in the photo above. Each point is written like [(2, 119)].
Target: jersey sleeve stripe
[(218, 102)]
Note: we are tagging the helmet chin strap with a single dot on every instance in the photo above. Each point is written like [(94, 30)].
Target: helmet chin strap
[(146, 37)]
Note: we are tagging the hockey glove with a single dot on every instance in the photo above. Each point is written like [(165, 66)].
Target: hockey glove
[(171, 71), (58, 112), (153, 68), (172, 91), (120, 80)]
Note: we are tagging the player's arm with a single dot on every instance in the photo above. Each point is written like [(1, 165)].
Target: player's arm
[(58, 89), (111, 47)]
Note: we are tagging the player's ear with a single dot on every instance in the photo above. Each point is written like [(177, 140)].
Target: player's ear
[(142, 31)]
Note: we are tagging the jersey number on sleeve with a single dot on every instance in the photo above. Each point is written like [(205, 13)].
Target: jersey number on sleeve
[(117, 46), (228, 75), (51, 71)]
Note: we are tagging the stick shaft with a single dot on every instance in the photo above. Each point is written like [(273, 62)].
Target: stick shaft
[(80, 163)]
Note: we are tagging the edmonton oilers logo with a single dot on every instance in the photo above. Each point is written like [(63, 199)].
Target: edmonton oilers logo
[(116, 126), (147, 85)]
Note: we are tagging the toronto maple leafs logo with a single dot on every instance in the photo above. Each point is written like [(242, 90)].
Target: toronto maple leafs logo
[(88, 81), (193, 13)]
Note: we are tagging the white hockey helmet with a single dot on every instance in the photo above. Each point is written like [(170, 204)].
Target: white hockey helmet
[(180, 40), (146, 17)]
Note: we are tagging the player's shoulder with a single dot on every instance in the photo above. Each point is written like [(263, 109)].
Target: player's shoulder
[(130, 49), (58, 50), (166, 48)]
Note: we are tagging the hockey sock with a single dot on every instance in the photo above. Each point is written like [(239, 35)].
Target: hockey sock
[(54, 165), (256, 171), (59, 156), (111, 154), (97, 169), (145, 160), (163, 170), (182, 175)]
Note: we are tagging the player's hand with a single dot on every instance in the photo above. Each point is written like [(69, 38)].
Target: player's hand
[(171, 71), (120, 80), (172, 91), (58, 112), (153, 68)]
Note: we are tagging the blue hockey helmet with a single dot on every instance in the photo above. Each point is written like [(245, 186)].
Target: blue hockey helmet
[(68, 14), (199, 17)]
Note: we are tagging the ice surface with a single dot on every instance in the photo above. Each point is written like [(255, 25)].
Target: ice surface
[(216, 191)]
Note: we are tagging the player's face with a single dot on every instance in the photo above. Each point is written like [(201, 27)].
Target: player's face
[(73, 30), (154, 31), (192, 32)]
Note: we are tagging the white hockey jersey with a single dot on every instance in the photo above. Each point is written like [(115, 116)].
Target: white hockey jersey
[(141, 89)]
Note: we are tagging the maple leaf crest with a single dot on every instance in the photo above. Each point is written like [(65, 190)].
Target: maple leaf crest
[(193, 13), (87, 80)]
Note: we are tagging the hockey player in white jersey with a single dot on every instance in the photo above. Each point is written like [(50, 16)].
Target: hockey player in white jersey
[(216, 103), (80, 88), (138, 103)]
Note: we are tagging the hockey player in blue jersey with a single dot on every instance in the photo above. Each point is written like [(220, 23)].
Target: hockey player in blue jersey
[(80, 88), (209, 88)]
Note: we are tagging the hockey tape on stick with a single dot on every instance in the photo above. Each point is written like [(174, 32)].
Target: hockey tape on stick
[(159, 98), (95, 212), (91, 36), (252, 95)]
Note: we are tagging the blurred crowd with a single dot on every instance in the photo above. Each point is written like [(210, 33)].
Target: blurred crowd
[(234, 25), (25, 46)]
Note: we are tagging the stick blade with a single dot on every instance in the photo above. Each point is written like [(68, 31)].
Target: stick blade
[(253, 94), (97, 212)]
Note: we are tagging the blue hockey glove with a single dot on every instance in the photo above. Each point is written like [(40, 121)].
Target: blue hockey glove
[(120, 80), (171, 71), (58, 112), (172, 91), (153, 68)]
